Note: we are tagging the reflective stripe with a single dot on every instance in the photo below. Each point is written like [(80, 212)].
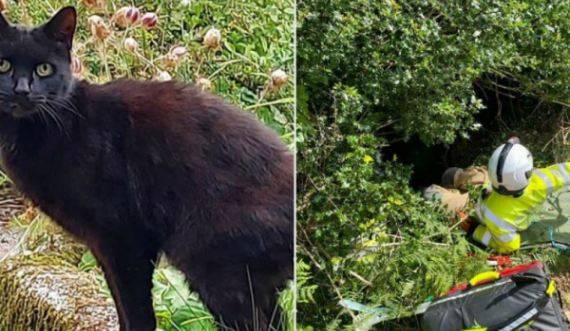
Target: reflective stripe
[(499, 222), (478, 208), (506, 237), (486, 238), (487, 190), (521, 320), (546, 181), (564, 172)]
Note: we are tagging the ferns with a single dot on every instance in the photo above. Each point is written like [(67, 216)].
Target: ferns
[(304, 291)]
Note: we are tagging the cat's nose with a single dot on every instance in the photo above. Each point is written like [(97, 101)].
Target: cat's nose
[(22, 86)]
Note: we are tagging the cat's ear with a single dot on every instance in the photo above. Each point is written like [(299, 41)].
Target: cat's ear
[(4, 24), (62, 25)]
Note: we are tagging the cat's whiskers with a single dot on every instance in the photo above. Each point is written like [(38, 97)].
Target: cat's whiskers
[(53, 114), (42, 111), (65, 105), (38, 101), (56, 116), (43, 118)]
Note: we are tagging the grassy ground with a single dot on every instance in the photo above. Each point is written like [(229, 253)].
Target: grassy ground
[(240, 50)]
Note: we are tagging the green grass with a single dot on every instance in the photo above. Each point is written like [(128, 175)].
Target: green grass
[(176, 308)]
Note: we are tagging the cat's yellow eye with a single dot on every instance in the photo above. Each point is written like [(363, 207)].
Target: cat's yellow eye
[(44, 69), (5, 66)]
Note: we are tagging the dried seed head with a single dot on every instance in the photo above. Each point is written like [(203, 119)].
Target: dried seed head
[(175, 56), (76, 67), (171, 60), (149, 20), (98, 27), (278, 78), (91, 3), (163, 76), (131, 45), (3, 5), (204, 84), (126, 16), (179, 51), (213, 38), (79, 48)]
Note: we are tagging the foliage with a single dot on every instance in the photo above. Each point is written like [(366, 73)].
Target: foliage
[(367, 235), (415, 62), (374, 72), (176, 307)]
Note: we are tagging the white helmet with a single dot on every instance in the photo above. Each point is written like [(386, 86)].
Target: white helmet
[(510, 168)]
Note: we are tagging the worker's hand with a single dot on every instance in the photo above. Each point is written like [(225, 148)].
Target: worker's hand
[(467, 222)]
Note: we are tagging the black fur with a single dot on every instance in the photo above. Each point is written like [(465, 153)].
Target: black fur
[(133, 169)]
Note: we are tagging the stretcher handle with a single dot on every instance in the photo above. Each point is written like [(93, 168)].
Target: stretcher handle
[(483, 277)]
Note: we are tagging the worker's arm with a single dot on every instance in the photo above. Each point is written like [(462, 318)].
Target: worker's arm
[(553, 177), (494, 232), (502, 241), (502, 236)]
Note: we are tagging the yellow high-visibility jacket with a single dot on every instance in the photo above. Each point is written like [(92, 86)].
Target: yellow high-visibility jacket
[(501, 217)]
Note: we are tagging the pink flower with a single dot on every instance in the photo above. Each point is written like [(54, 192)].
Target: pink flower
[(76, 66), (131, 45), (126, 16), (149, 20), (133, 15)]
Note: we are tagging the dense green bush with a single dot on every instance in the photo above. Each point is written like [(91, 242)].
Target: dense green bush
[(415, 62), (353, 202), (372, 72)]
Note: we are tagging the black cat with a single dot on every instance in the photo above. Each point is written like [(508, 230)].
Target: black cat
[(133, 169)]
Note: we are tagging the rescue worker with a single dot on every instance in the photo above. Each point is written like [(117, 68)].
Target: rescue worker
[(453, 193), (515, 194)]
